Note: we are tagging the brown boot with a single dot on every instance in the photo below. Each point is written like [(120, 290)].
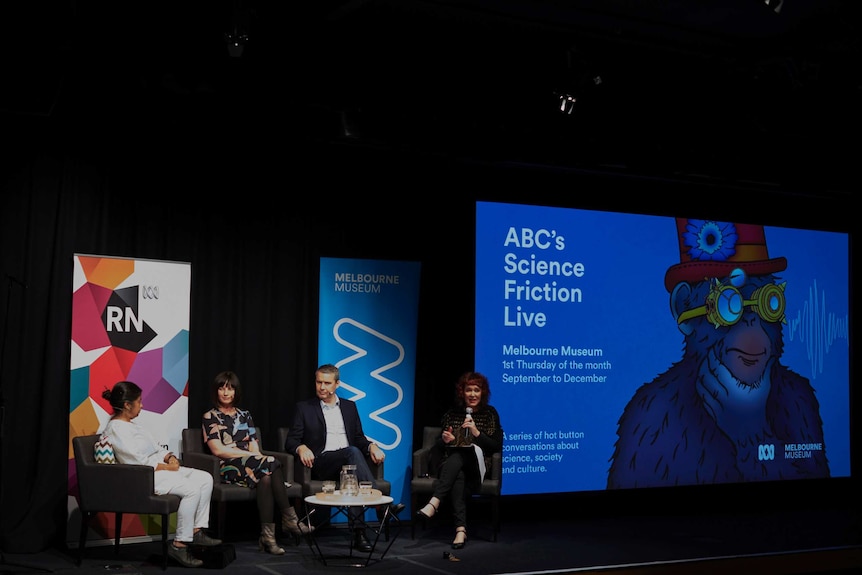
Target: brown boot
[(291, 524), (267, 540)]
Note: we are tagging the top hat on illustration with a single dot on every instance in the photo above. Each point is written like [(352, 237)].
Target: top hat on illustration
[(711, 249)]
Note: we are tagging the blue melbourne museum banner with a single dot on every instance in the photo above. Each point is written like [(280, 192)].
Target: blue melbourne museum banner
[(367, 327)]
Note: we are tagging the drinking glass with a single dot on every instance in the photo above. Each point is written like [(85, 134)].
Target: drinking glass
[(328, 488)]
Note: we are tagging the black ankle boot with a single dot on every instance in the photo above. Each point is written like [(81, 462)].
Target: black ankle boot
[(360, 541)]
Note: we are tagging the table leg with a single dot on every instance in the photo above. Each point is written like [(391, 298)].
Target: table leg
[(312, 540), (388, 517), (356, 520)]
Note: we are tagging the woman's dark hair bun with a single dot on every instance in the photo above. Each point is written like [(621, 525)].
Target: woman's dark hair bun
[(106, 394)]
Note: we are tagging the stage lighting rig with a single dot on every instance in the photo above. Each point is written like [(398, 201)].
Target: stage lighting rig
[(775, 5), (567, 100), (566, 103), (237, 37), (236, 42)]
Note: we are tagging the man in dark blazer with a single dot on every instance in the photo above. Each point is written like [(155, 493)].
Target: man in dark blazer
[(326, 433)]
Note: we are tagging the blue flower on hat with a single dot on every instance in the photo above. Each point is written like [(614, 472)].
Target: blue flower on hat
[(710, 241)]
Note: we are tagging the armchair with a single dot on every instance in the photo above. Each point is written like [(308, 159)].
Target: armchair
[(424, 480), (196, 454), (117, 488)]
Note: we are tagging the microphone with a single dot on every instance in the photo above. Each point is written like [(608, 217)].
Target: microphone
[(469, 416)]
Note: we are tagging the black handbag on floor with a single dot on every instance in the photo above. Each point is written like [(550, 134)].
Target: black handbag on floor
[(217, 556)]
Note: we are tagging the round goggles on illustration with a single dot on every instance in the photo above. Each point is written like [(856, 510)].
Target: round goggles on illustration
[(725, 305)]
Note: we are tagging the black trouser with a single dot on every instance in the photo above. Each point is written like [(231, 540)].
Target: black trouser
[(452, 481), (328, 465), (271, 492)]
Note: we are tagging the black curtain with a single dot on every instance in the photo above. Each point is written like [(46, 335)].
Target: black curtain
[(253, 215), (253, 221), (146, 146)]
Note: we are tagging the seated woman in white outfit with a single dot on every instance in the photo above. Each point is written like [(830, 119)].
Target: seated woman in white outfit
[(132, 443)]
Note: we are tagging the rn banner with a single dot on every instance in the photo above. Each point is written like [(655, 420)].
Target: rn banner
[(130, 321), (368, 320)]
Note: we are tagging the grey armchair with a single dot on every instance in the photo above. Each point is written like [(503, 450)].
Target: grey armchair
[(196, 454), (424, 480), (117, 488)]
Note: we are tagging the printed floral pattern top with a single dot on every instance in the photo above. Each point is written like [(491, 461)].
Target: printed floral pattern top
[(238, 431)]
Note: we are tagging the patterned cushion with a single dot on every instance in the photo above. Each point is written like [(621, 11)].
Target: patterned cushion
[(104, 451)]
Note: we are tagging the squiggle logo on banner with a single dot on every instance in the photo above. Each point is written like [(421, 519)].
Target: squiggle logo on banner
[(376, 374), (765, 452)]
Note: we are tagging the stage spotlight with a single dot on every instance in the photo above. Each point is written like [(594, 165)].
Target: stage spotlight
[(775, 5), (235, 43), (566, 97), (567, 103), (240, 24)]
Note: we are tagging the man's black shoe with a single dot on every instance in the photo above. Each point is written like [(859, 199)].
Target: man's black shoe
[(396, 509), (361, 542)]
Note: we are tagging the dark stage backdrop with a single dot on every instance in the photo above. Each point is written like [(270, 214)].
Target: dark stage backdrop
[(253, 220)]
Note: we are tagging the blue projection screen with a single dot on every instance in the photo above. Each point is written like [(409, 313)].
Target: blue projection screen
[(628, 351)]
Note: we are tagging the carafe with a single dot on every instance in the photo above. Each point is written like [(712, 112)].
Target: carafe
[(349, 481)]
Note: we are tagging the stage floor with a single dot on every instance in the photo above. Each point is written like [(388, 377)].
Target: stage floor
[(810, 542)]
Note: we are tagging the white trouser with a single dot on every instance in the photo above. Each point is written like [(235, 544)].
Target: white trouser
[(194, 488)]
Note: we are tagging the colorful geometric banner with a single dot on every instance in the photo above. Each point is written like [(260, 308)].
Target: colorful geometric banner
[(130, 321), (368, 320)]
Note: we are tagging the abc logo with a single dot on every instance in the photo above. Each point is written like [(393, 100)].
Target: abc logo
[(765, 452), (150, 292)]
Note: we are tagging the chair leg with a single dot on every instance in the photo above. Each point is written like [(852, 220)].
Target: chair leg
[(165, 520), (222, 513), (414, 502), (496, 514), (118, 525), (82, 538)]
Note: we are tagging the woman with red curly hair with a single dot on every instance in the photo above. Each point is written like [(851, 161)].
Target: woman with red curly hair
[(471, 435)]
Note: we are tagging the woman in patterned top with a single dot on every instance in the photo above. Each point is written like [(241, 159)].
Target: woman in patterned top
[(230, 434), (471, 434)]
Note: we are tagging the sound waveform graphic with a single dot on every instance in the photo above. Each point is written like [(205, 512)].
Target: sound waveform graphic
[(340, 332), (818, 329)]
